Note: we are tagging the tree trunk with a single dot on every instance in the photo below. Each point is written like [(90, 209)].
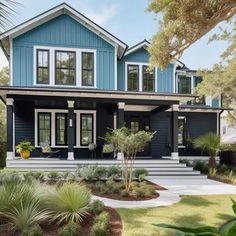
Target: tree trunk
[(212, 163)]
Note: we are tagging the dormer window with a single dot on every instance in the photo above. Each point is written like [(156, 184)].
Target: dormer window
[(42, 67), (65, 68)]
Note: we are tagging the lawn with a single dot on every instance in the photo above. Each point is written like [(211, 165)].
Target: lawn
[(192, 211)]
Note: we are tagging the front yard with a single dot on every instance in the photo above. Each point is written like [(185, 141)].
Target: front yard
[(192, 211)]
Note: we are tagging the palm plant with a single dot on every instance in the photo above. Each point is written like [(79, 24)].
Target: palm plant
[(68, 203), (7, 13), (210, 143)]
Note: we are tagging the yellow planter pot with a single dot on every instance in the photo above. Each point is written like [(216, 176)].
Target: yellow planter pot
[(25, 154)]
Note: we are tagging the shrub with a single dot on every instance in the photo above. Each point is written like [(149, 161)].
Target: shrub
[(140, 174), (139, 192), (87, 172), (113, 171), (33, 230), (53, 176), (39, 175), (10, 177), (97, 207), (134, 185), (200, 166), (70, 229), (150, 190), (112, 186), (101, 172), (65, 175), (3, 154), (124, 193), (68, 202), (223, 169), (102, 225)]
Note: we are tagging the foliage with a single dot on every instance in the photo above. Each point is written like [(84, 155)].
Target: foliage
[(102, 225), (9, 177), (101, 172), (68, 202), (114, 171), (107, 148), (86, 172), (201, 166), (53, 176), (140, 174), (33, 230), (124, 193), (183, 23), (24, 145), (139, 192), (97, 207), (70, 229), (129, 144)]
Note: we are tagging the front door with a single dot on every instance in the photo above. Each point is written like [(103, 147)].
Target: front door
[(137, 123)]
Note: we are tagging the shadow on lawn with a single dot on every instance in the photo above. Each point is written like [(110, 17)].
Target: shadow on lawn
[(225, 217), (197, 201), (195, 220)]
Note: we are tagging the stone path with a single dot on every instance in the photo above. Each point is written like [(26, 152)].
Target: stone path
[(176, 188)]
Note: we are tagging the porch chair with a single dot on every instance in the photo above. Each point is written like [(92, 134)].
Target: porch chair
[(46, 151)]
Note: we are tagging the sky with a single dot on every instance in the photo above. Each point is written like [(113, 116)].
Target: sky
[(129, 21)]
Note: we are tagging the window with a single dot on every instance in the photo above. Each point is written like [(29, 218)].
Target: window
[(133, 77), (86, 129), (184, 85), (44, 128), (148, 79), (61, 129), (42, 66), (134, 127), (181, 131), (87, 69), (65, 68)]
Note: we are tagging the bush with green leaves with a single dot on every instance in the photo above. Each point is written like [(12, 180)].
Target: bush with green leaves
[(101, 172), (97, 207), (70, 229), (139, 192), (87, 172), (10, 177), (69, 202), (201, 166), (140, 173), (114, 171), (124, 193), (53, 176), (34, 230), (101, 226)]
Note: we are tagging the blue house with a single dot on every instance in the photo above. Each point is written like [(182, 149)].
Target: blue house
[(71, 80)]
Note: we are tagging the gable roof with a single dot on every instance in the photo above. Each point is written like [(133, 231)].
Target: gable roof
[(57, 11)]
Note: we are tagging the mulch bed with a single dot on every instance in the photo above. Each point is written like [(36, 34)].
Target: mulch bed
[(51, 229), (131, 197), (220, 180)]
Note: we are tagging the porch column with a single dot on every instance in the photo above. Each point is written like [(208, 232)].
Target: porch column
[(70, 130), (174, 143), (10, 120), (121, 115)]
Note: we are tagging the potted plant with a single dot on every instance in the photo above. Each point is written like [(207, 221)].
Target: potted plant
[(24, 148)]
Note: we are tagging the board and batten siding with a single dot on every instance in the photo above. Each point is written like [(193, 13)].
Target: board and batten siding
[(164, 78), (62, 31)]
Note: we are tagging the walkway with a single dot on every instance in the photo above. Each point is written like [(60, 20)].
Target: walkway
[(176, 188)]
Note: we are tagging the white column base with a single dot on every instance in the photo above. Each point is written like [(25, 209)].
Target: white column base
[(10, 156), (70, 156), (174, 156), (120, 156)]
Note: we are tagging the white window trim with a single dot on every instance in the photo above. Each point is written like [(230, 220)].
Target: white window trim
[(78, 69), (53, 126), (140, 65)]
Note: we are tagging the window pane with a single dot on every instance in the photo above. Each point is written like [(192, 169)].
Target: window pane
[(61, 135), (184, 85), (133, 77), (181, 131), (148, 79), (134, 127), (42, 67), (44, 128), (87, 69), (86, 129), (65, 68)]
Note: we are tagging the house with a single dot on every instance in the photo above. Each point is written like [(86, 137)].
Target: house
[(71, 80)]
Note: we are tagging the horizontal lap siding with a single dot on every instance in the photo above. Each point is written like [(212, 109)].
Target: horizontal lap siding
[(63, 31)]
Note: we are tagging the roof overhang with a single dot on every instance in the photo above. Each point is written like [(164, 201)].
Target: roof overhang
[(57, 11), (121, 96)]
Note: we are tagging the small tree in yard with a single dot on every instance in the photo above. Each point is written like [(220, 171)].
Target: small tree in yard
[(129, 144), (210, 143)]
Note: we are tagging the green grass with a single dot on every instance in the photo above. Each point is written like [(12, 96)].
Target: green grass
[(192, 211)]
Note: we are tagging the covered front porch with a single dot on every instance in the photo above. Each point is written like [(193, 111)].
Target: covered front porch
[(69, 120)]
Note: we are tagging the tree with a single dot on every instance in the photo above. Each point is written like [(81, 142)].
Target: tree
[(7, 13), (129, 144), (182, 23)]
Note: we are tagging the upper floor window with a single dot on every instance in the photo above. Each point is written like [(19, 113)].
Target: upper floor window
[(87, 69), (133, 77), (65, 68), (42, 66), (148, 79), (184, 84)]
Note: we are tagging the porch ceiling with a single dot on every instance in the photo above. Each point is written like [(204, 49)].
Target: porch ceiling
[(131, 98)]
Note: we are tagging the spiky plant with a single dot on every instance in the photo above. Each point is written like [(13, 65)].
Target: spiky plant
[(210, 143), (68, 203)]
